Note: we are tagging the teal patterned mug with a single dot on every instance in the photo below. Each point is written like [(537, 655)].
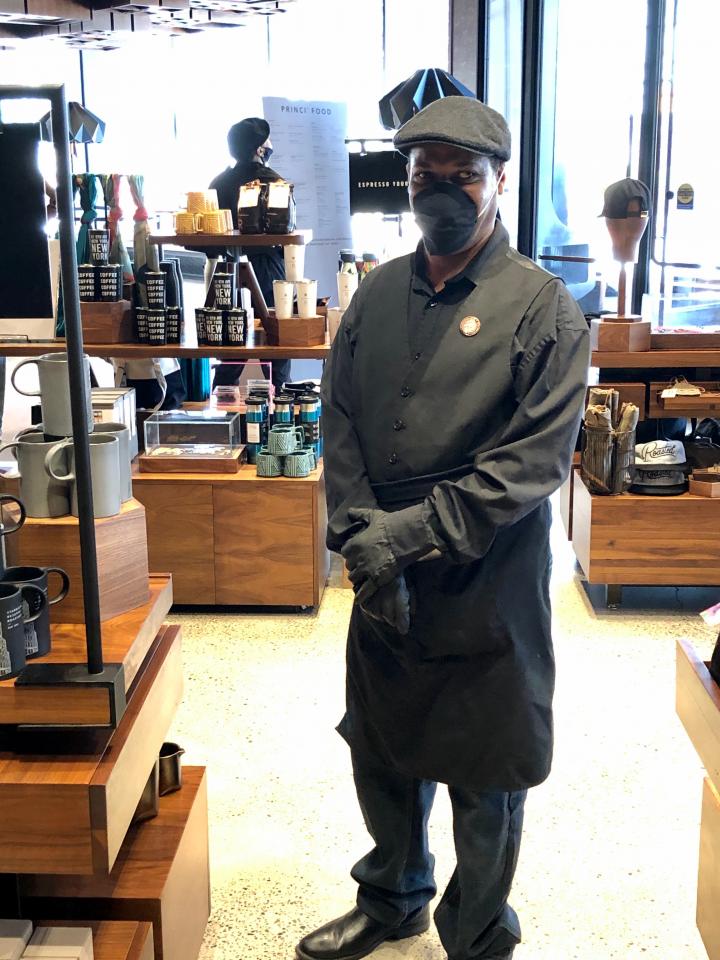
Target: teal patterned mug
[(284, 439), (297, 464), (268, 464)]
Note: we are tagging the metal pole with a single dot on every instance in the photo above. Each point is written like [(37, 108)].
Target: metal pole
[(76, 370)]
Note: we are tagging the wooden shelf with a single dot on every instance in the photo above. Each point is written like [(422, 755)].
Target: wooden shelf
[(67, 812), (190, 350), (657, 358), (126, 639), (114, 939), (247, 473), (234, 239), (161, 876), (639, 539)]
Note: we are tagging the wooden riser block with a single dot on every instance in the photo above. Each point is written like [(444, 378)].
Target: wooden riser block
[(619, 337), (122, 560), (68, 813), (631, 539), (708, 917), (126, 640), (114, 939), (161, 875), (107, 322)]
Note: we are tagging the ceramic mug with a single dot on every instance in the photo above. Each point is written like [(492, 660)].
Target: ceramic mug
[(54, 392), (14, 601), (297, 464), (122, 432), (37, 631), (42, 496), (104, 470), (268, 464), (312, 459), (284, 439)]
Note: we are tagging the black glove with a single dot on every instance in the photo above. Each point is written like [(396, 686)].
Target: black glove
[(390, 604), (387, 544)]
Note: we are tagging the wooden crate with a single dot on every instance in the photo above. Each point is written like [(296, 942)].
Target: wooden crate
[(68, 813), (121, 558), (296, 332), (619, 337), (161, 876), (107, 322)]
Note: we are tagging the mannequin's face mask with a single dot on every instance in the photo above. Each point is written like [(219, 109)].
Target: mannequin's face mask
[(452, 195)]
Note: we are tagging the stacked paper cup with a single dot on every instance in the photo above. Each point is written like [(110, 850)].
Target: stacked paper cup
[(284, 290)]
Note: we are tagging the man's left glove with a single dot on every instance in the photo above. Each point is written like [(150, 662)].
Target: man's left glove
[(387, 544)]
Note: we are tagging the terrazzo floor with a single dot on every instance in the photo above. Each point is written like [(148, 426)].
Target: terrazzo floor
[(609, 857)]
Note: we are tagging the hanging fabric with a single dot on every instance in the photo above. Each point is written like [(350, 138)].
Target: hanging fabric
[(118, 252), (140, 217), (86, 184)]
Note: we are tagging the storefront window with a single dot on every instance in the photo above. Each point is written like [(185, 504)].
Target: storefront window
[(504, 91), (685, 267), (591, 106)]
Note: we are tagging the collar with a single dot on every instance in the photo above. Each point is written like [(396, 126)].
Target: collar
[(472, 271)]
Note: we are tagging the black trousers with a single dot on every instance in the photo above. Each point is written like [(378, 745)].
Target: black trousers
[(473, 918)]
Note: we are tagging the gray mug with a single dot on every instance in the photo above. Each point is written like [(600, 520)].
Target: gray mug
[(104, 470), (285, 438), (297, 464), (42, 496), (54, 392), (122, 432)]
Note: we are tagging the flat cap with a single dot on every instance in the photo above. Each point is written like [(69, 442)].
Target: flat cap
[(460, 122), (619, 195)]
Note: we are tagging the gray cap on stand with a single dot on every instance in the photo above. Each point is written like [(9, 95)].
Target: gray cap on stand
[(459, 122)]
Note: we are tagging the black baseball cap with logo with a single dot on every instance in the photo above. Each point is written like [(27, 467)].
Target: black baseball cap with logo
[(620, 195)]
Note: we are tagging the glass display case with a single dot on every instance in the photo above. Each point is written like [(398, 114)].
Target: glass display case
[(192, 434)]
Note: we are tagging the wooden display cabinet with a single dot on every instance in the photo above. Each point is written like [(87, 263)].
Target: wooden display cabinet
[(238, 539)]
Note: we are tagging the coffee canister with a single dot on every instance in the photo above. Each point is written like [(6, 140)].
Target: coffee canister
[(310, 421), (213, 327), (99, 246), (235, 327), (155, 284), (201, 326), (173, 324), (141, 324), (156, 327), (110, 278), (87, 282), (283, 409), (224, 288)]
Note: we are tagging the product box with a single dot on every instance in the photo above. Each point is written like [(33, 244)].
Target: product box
[(116, 405), (60, 943), (14, 935)]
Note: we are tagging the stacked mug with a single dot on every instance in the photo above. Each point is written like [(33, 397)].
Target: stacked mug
[(286, 453), (223, 324), (99, 279), (158, 324), (45, 453)]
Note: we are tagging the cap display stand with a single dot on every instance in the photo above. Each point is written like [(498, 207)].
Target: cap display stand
[(80, 736)]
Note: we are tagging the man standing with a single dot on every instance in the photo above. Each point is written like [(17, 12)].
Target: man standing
[(451, 406)]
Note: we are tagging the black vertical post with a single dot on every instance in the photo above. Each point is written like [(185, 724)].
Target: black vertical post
[(76, 370), (650, 136), (533, 17)]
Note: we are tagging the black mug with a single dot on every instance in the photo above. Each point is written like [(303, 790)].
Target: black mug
[(13, 601), (37, 632)]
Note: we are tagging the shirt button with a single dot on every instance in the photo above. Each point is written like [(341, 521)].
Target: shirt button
[(432, 303), (399, 425), (393, 459), (406, 392), (417, 356)]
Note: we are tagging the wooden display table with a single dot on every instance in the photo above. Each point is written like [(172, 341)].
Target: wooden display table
[(698, 706), (633, 539), (238, 539), (161, 876)]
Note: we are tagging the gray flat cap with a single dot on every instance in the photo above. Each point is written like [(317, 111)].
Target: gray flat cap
[(460, 122)]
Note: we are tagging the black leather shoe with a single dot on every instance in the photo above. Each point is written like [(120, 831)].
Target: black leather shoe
[(356, 935)]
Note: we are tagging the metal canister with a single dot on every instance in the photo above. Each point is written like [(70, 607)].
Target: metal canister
[(174, 324), (283, 409), (310, 421), (201, 326), (255, 419), (141, 323), (235, 327), (214, 327)]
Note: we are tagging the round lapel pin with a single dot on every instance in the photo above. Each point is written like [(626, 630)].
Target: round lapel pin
[(470, 326)]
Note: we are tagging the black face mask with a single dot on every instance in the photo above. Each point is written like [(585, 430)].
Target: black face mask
[(267, 152), (447, 217)]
